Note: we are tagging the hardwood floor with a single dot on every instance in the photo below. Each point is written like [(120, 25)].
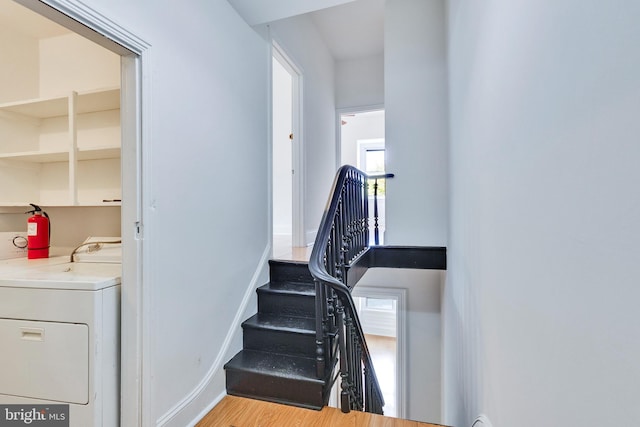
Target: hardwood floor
[(383, 353), (283, 250), (235, 411)]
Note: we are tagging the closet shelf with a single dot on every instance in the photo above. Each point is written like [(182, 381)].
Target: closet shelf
[(77, 166), (16, 207), (98, 153), (87, 102), (38, 156)]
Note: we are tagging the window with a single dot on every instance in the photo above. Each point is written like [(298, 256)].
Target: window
[(379, 304)]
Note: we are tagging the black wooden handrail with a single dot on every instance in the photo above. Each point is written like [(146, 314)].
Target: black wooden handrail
[(379, 175), (343, 236)]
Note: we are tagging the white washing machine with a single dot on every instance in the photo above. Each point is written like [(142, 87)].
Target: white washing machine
[(60, 337)]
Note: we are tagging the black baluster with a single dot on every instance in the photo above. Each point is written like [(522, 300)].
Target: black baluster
[(320, 356), (344, 371), (375, 213)]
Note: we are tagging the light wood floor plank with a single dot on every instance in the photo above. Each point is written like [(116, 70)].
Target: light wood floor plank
[(235, 411)]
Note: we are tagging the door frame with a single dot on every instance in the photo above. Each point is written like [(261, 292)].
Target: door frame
[(134, 93), (400, 296), (349, 110), (297, 149)]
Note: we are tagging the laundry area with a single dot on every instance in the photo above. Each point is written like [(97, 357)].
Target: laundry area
[(60, 334), (60, 194)]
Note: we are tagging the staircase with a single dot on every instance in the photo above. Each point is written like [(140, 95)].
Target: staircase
[(277, 362), (307, 321)]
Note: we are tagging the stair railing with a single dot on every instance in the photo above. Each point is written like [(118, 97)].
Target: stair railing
[(376, 214), (343, 236)]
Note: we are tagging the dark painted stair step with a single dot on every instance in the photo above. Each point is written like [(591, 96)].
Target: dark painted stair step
[(280, 334), (289, 271), (289, 299), (275, 377)]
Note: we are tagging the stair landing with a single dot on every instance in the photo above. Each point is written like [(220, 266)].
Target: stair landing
[(235, 411)]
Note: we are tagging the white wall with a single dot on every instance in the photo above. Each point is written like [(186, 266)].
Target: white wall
[(423, 343), (360, 82), (302, 43), (19, 64), (70, 226), (206, 220), (415, 76), (71, 62), (541, 301), (358, 127)]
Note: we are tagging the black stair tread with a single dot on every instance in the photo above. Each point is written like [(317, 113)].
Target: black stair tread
[(298, 288), (277, 365), (302, 325)]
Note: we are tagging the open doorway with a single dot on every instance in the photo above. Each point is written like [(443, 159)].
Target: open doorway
[(112, 106), (282, 158), (382, 312), (286, 156), (378, 316), (362, 145)]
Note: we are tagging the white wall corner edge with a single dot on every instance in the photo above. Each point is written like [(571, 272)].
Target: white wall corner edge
[(482, 421), (310, 237)]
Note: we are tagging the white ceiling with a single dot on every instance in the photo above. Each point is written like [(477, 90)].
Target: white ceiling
[(354, 30), (350, 28), (256, 12)]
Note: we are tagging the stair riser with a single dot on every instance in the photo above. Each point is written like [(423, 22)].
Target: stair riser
[(286, 304), (289, 272), (277, 362), (274, 389), (280, 342)]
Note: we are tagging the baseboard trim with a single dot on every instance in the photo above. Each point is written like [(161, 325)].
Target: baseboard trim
[(482, 421), (218, 363), (207, 409)]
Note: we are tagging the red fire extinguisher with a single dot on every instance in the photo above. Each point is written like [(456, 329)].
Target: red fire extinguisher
[(38, 233)]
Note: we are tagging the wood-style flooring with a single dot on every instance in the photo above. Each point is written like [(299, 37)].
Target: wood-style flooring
[(235, 411), (383, 353)]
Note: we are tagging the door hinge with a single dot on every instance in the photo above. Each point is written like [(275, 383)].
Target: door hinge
[(138, 230)]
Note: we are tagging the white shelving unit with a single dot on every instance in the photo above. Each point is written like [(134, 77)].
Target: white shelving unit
[(65, 150)]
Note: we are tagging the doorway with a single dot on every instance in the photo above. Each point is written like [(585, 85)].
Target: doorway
[(362, 144), (286, 155), (89, 24), (382, 313)]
